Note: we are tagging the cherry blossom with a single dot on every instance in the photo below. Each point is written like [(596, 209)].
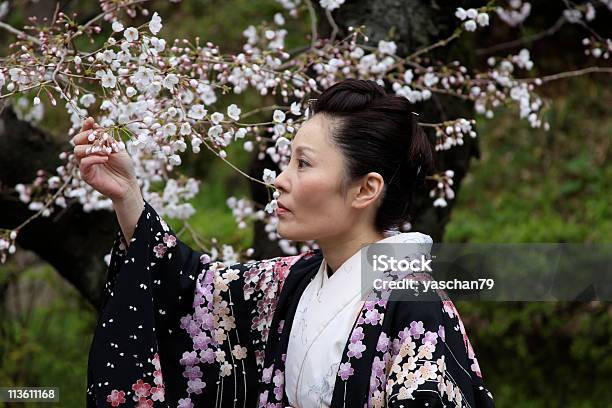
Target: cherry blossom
[(117, 26), (516, 14), (153, 99), (233, 111), (331, 4), (269, 176), (131, 34), (279, 116), (155, 25)]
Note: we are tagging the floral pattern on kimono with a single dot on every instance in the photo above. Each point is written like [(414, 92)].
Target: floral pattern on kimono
[(422, 355), (178, 330), (167, 305)]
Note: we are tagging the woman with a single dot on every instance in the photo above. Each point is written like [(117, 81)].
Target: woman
[(176, 329)]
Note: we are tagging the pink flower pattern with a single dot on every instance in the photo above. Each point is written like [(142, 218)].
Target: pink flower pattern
[(403, 361), (142, 390), (116, 398)]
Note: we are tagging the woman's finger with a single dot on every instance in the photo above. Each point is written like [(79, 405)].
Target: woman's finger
[(84, 137), (87, 124), (83, 150), (88, 162)]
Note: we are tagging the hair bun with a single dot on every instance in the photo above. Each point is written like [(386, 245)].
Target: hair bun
[(350, 95)]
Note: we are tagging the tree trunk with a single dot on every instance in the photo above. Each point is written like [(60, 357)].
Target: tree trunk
[(72, 241)]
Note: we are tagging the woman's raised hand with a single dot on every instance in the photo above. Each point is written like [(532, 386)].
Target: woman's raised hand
[(110, 173)]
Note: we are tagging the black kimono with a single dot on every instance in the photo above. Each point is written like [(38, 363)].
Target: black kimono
[(177, 330)]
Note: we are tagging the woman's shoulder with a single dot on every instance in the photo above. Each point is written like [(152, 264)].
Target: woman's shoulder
[(257, 274), (432, 304), (278, 263)]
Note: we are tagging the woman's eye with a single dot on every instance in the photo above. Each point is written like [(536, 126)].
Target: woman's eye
[(302, 163)]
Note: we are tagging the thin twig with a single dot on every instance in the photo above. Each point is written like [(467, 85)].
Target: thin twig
[(305, 49), (440, 43), (332, 22), (57, 193), (525, 40), (233, 165), (59, 88), (313, 23), (443, 91), (57, 6), (25, 89), (101, 15), (19, 33), (195, 237), (262, 109), (582, 23), (250, 124), (569, 74)]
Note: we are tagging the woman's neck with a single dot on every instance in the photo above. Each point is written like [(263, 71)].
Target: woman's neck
[(336, 250)]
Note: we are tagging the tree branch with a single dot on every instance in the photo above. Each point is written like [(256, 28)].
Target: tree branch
[(18, 33)]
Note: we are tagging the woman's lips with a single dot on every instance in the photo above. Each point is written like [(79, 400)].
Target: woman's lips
[(281, 209)]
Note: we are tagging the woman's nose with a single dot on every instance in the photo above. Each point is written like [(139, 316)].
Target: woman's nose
[(280, 182)]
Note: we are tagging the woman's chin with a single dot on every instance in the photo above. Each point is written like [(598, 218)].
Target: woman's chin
[(286, 231), (281, 230)]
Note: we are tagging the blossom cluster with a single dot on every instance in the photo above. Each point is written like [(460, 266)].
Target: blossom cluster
[(450, 133), (598, 48), (442, 191), (472, 18), (156, 99), (516, 13), (243, 210), (580, 13)]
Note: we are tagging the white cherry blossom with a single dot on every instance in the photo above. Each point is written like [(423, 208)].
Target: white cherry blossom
[(233, 111), (130, 34), (155, 25), (278, 116), (331, 4), (197, 112), (470, 25), (117, 26)]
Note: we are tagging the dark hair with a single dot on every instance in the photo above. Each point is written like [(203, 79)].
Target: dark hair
[(379, 133)]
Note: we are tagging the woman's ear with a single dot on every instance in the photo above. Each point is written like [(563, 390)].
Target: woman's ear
[(368, 190)]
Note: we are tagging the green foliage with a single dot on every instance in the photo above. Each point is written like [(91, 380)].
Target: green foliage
[(529, 186), (542, 354), (223, 23), (213, 217), (536, 186), (44, 343)]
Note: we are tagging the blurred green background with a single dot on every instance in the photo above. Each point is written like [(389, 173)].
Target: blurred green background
[(529, 186)]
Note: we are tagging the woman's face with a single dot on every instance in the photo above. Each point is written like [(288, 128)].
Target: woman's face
[(310, 186)]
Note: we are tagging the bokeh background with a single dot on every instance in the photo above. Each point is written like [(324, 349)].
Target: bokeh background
[(529, 185)]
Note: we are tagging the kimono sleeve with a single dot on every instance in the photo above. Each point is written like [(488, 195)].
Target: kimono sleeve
[(149, 286), (432, 362)]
